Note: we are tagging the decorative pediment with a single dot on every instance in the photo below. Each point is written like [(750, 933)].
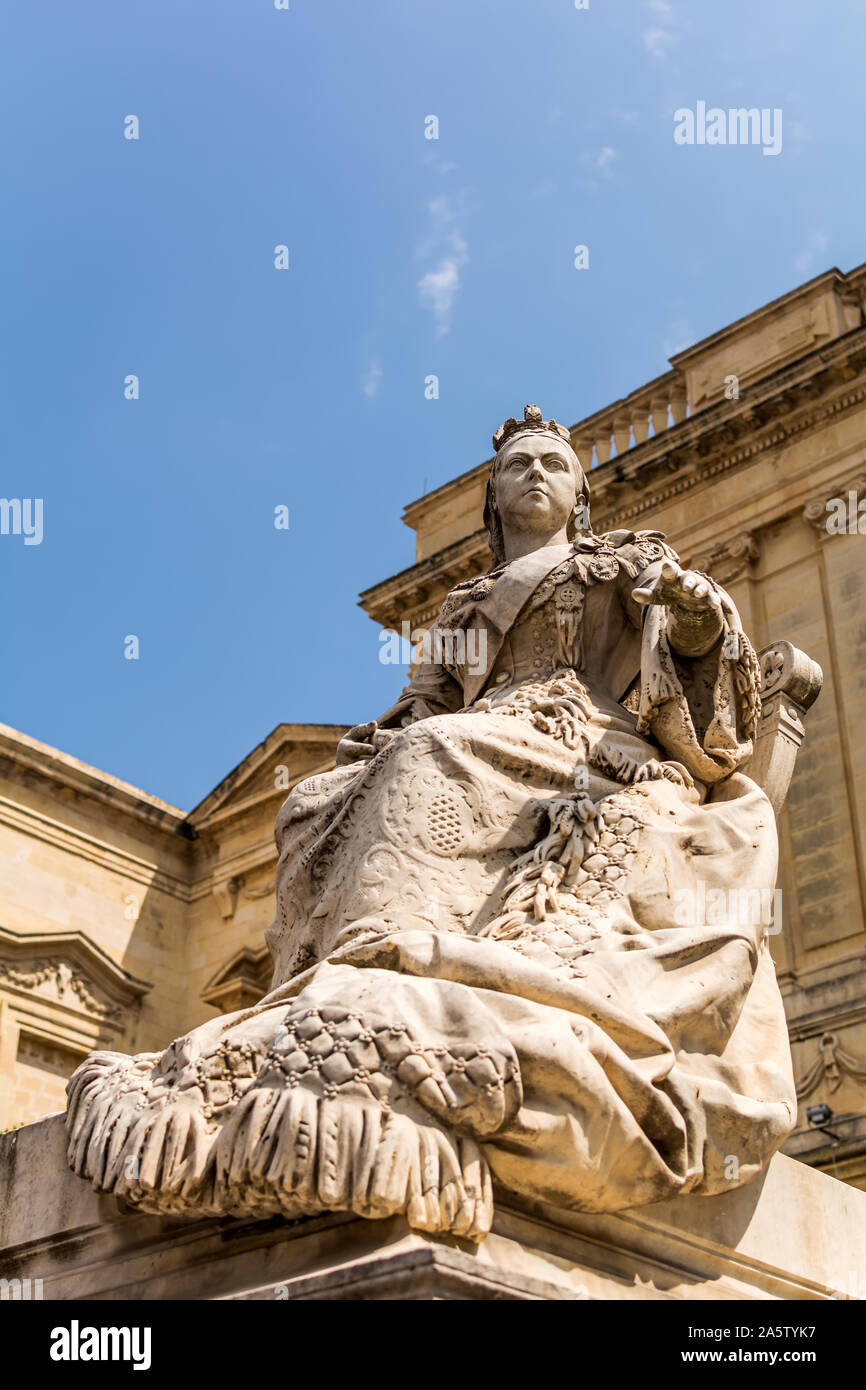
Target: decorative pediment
[(68, 968), (289, 752), (242, 981)]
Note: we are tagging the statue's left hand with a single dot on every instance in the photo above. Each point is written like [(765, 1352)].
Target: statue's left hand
[(696, 617), (679, 588)]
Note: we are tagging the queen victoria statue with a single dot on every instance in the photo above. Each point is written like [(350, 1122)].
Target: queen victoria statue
[(483, 974)]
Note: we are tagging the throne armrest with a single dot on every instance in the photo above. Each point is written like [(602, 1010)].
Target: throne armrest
[(790, 682)]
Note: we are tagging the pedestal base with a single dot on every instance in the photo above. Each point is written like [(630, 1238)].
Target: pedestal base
[(795, 1233)]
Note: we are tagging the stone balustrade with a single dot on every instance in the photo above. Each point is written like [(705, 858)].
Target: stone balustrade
[(626, 423)]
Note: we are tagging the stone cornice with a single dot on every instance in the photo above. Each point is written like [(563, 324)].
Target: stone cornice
[(30, 755), (726, 435), (395, 598), (847, 285), (263, 797), (35, 825), (185, 876)]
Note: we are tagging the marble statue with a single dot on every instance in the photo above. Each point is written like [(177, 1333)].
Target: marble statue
[(481, 972)]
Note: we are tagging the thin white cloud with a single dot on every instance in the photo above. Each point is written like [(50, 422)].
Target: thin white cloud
[(372, 378), (659, 36), (438, 289), (598, 162), (444, 245), (438, 163)]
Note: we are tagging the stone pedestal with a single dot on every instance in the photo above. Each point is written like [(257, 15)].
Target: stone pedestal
[(793, 1234)]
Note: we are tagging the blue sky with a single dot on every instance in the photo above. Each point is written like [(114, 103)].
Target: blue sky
[(305, 387)]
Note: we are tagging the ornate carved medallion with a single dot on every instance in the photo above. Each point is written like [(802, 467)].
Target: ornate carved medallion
[(604, 566)]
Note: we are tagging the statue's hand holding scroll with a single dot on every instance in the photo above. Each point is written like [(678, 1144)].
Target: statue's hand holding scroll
[(695, 607)]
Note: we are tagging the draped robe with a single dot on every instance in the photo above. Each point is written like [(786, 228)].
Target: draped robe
[(493, 956)]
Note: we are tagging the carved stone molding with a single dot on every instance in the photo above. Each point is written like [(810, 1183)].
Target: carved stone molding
[(226, 895), (832, 1063), (785, 669), (391, 602), (791, 389), (28, 821), (815, 511), (266, 891), (730, 559), (63, 982), (67, 968)]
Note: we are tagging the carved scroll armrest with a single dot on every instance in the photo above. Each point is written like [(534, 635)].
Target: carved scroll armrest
[(790, 683)]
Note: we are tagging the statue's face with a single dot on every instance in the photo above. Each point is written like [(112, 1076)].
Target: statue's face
[(536, 484)]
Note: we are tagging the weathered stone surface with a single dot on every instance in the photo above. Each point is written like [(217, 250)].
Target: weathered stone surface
[(477, 977), (766, 1240)]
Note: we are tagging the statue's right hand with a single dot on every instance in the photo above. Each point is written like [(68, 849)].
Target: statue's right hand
[(357, 744)]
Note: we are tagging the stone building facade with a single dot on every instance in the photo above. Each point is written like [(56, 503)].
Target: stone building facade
[(126, 921)]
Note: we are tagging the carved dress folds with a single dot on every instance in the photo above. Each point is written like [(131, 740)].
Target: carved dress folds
[(480, 972)]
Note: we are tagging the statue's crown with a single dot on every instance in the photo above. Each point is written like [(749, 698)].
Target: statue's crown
[(532, 420)]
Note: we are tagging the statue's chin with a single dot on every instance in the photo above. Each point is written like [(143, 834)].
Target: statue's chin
[(535, 514)]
